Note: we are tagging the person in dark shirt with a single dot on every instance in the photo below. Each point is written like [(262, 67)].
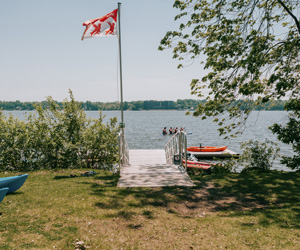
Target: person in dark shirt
[(164, 132)]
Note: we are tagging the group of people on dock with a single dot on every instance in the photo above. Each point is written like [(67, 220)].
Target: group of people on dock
[(171, 130)]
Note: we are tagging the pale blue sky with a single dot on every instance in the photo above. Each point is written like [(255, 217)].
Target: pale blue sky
[(42, 54)]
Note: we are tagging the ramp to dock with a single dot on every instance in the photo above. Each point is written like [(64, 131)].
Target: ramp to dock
[(148, 168)]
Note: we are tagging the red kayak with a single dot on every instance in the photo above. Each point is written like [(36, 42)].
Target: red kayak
[(197, 164), (206, 149)]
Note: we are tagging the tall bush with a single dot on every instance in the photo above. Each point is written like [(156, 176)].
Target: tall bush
[(258, 155), (99, 147), (290, 134), (13, 137), (57, 138)]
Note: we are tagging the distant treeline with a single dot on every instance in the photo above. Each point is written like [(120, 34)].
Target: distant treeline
[(186, 104)]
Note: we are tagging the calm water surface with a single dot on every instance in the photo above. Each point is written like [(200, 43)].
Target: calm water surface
[(144, 129)]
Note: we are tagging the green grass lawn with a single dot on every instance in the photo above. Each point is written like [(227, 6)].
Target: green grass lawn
[(234, 211)]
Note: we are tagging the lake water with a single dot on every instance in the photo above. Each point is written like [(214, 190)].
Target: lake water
[(144, 129)]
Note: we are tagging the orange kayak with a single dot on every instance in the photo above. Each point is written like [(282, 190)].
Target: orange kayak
[(206, 149), (198, 165)]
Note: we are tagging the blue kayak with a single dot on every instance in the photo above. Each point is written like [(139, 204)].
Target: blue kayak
[(13, 182), (3, 192)]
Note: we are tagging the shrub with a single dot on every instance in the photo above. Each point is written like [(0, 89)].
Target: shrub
[(57, 138), (258, 155), (228, 166), (99, 146), (290, 134)]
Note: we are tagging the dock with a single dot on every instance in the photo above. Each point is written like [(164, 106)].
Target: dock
[(222, 154), (148, 168)]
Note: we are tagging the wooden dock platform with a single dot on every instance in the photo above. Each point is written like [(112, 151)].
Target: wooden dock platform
[(148, 168)]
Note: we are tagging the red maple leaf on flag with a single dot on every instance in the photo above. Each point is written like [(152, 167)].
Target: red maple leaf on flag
[(111, 28), (96, 30)]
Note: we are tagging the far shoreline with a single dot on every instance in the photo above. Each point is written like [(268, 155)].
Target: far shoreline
[(106, 110)]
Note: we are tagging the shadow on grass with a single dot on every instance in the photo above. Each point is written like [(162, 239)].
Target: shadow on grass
[(124, 201), (15, 193), (272, 196), (60, 177)]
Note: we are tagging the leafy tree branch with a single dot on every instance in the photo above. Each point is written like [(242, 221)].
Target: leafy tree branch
[(250, 50)]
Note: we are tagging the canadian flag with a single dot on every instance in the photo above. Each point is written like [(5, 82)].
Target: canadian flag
[(102, 26)]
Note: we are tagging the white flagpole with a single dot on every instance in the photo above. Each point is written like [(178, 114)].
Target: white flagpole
[(122, 160), (122, 124)]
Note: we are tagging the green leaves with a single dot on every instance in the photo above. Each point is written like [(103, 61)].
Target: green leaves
[(289, 134), (258, 155), (57, 138), (251, 51)]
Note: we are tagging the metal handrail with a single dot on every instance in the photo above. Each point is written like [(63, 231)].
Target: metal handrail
[(123, 151), (177, 145)]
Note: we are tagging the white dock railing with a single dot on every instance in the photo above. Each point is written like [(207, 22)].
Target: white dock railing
[(123, 151), (177, 146)]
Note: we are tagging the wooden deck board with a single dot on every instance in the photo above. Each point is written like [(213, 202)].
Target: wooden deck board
[(148, 168)]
